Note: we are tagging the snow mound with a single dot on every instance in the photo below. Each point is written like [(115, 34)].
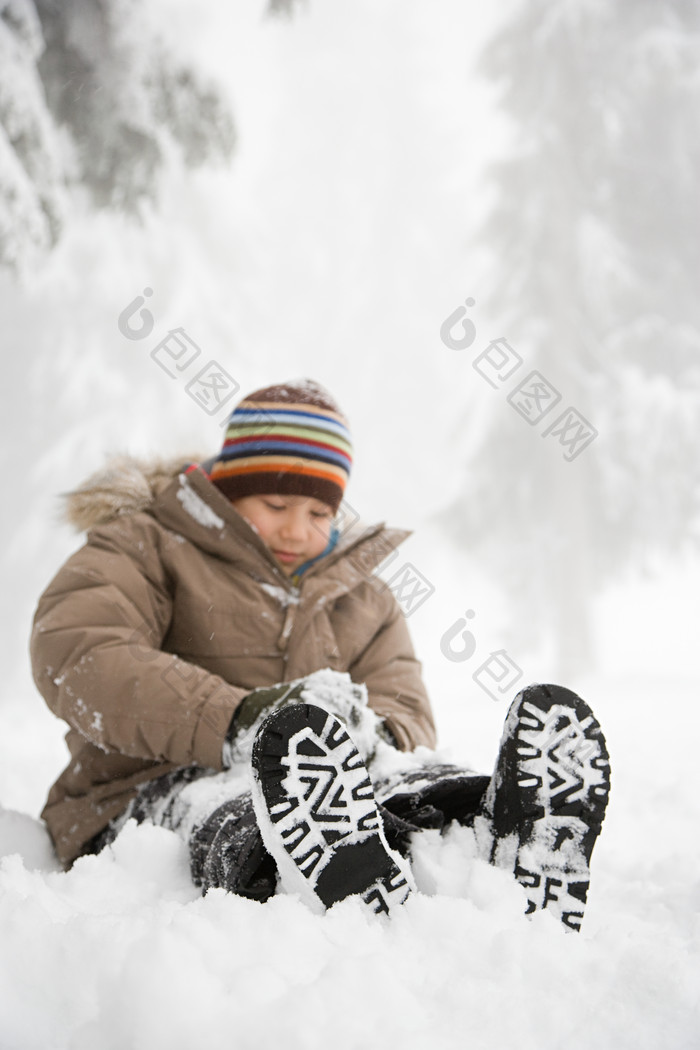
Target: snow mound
[(122, 952), (21, 834)]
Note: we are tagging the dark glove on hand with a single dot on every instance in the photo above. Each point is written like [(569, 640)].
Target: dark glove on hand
[(344, 699), (262, 700)]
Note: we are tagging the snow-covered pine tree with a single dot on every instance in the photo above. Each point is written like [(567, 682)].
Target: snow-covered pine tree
[(90, 97), (594, 237)]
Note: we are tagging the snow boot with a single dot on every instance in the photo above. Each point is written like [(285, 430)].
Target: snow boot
[(317, 813), (227, 852), (546, 801)]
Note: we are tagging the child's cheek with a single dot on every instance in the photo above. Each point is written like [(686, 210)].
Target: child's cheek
[(321, 535)]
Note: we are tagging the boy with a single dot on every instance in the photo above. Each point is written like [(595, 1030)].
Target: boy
[(228, 667)]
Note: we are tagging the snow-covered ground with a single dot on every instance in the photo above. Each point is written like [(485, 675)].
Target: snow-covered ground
[(122, 952)]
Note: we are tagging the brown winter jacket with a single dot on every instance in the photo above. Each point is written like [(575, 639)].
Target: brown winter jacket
[(152, 633)]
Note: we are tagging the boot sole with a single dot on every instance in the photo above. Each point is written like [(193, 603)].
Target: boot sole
[(317, 813), (559, 762)]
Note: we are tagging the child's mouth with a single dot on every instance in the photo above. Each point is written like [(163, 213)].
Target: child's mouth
[(286, 556)]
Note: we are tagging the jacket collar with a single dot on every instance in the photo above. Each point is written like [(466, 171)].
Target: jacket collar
[(195, 508)]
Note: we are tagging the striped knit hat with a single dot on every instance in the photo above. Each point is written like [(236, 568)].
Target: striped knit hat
[(289, 439)]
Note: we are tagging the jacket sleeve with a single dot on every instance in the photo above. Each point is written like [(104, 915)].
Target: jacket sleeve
[(97, 657), (392, 674)]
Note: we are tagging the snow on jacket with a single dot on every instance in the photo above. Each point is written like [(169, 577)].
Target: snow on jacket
[(174, 610)]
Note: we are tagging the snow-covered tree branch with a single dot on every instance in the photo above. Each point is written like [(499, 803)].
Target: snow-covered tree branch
[(92, 100)]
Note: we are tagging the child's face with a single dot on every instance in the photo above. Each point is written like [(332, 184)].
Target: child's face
[(295, 528)]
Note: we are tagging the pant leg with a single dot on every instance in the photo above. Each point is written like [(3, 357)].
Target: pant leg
[(154, 802), (429, 798), (225, 846)]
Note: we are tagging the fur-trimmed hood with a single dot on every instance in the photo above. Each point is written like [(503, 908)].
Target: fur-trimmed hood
[(127, 484), (124, 485)]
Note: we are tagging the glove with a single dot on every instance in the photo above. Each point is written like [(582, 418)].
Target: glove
[(266, 699), (332, 690)]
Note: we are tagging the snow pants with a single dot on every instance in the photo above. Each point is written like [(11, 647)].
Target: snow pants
[(225, 845)]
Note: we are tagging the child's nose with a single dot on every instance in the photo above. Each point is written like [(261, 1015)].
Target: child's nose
[(294, 526)]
